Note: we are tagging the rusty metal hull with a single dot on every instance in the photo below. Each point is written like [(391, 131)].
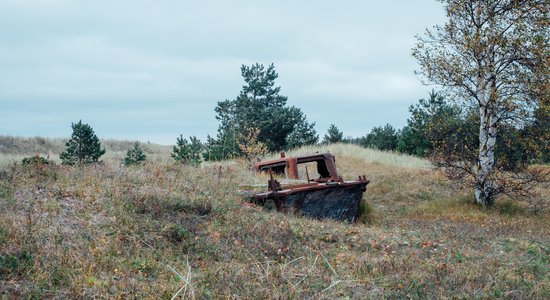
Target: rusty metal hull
[(334, 200), (327, 195)]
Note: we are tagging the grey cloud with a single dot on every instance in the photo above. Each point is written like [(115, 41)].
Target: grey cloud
[(154, 69)]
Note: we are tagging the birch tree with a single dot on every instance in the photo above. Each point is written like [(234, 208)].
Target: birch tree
[(493, 56)]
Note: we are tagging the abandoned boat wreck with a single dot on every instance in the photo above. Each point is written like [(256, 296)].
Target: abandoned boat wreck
[(325, 196)]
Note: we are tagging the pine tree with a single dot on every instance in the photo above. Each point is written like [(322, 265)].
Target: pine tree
[(188, 152), (135, 155), (83, 147), (382, 138), (304, 133), (261, 106), (433, 120), (334, 135)]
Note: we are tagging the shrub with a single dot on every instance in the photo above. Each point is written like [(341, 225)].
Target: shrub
[(36, 160), (176, 232), (39, 167), (251, 147)]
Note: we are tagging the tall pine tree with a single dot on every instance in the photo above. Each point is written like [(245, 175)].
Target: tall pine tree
[(261, 106)]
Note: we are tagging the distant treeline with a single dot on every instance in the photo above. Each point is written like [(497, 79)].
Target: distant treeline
[(436, 124)]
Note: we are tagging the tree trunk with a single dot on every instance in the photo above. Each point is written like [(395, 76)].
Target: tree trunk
[(484, 187)]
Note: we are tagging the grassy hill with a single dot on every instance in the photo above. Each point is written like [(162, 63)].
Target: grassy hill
[(155, 230), (14, 149)]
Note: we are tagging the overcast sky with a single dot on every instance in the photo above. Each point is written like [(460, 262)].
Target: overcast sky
[(150, 70)]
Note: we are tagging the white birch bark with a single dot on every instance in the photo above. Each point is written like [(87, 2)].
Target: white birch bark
[(483, 185)]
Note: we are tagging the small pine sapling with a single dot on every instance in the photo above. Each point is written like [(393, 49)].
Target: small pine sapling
[(135, 156), (188, 152), (83, 147)]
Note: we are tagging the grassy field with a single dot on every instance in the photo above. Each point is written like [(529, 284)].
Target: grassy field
[(157, 230)]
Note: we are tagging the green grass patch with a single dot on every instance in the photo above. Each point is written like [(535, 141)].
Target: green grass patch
[(15, 264)]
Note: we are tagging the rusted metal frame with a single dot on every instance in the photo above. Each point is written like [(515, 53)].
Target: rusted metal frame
[(292, 164), (274, 186), (299, 188)]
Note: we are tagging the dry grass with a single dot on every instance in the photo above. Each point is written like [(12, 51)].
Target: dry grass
[(365, 154), (161, 229)]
